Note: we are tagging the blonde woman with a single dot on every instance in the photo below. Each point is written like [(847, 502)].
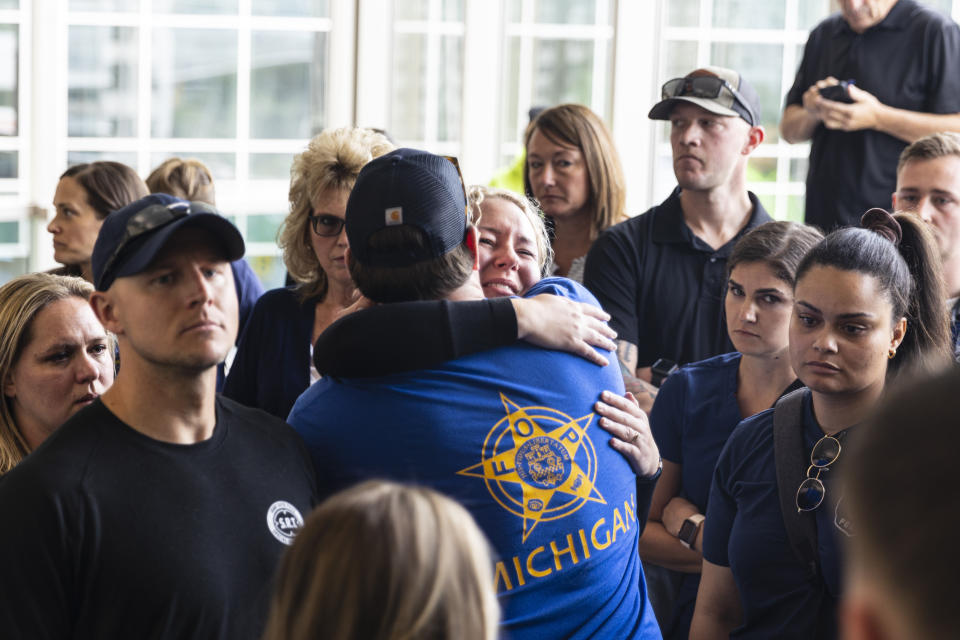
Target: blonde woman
[(55, 359), (273, 364), (384, 561)]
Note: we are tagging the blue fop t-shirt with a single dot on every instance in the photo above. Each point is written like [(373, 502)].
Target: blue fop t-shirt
[(511, 434)]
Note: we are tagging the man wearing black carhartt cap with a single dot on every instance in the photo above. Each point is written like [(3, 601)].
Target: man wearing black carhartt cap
[(511, 433), (160, 510), (662, 275)]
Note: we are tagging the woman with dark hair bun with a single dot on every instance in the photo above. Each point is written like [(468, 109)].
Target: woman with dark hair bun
[(700, 405), (86, 194), (869, 306)]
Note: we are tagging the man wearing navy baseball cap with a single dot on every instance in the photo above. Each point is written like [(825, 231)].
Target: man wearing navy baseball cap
[(161, 509), (509, 432)]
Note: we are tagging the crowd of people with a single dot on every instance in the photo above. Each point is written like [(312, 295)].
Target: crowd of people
[(477, 413)]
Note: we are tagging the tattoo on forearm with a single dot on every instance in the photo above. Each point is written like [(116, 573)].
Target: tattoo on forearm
[(627, 354)]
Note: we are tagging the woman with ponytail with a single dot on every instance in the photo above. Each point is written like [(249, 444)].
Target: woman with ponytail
[(869, 305)]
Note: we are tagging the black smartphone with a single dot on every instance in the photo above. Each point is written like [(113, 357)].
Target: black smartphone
[(662, 369), (837, 92)]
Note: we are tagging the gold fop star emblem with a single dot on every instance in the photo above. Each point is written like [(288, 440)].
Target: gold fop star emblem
[(538, 463)]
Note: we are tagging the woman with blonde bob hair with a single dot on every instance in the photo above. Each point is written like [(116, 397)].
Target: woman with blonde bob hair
[(575, 174), (273, 365), (384, 561), (55, 358)]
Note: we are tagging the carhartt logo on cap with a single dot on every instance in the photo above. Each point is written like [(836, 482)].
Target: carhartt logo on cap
[(393, 216)]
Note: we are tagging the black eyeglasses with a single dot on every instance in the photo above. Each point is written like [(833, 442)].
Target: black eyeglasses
[(812, 491), (326, 224), (147, 220), (709, 87)]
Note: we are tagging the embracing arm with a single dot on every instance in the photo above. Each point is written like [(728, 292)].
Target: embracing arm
[(718, 610), (406, 336)]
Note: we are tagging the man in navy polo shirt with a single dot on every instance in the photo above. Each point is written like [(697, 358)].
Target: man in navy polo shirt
[(662, 275), (510, 433), (904, 63)]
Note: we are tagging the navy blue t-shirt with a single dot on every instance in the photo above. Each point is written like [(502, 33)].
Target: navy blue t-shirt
[(744, 530), (511, 434)]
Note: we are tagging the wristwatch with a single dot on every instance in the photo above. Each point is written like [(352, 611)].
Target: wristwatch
[(689, 530)]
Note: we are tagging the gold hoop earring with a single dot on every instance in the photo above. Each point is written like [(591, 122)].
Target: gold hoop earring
[(891, 354)]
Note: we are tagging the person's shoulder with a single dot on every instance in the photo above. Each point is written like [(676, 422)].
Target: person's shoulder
[(564, 287), (284, 296), (248, 417), (724, 361), (753, 434), (63, 459)]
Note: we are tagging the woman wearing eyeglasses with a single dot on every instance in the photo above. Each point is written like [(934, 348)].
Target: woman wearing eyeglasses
[(769, 571), (273, 366)]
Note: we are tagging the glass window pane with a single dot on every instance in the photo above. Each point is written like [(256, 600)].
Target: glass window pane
[(128, 158), (761, 65), (270, 270), (9, 4), (194, 83), (680, 59), (307, 8), (795, 208), (511, 10), (263, 227), (452, 10), (683, 13), (511, 92), (223, 166), (757, 14), (562, 71), (9, 78), (411, 9), (944, 6), (270, 166), (409, 86), (566, 11), (195, 6), (102, 82), (769, 202), (11, 268), (762, 170), (10, 232), (287, 84), (9, 167), (451, 88), (798, 169), (810, 12), (104, 5)]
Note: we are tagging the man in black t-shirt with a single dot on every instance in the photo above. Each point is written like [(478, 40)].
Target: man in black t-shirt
[(903, 63), (662, 275), (160, 510)]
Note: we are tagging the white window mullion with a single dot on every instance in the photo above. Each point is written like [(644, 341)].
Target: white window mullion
[(431, 108), (242, 141), (599, 93), (144, 88)]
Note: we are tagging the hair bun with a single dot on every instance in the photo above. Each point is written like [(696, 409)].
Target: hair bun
[(881, 222)]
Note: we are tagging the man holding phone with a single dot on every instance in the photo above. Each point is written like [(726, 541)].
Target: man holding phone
[(875, 77)]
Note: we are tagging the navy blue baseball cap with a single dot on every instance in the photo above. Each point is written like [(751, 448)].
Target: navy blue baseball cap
[(407, 187), (131, 237)]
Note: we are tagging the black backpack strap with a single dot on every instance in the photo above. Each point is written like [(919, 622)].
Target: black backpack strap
[(791, 471)]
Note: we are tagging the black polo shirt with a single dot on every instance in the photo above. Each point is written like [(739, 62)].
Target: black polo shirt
[(910, 60), (663, 285)]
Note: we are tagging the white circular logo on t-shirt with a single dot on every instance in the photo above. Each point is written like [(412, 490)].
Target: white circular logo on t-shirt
[(284, 521)]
